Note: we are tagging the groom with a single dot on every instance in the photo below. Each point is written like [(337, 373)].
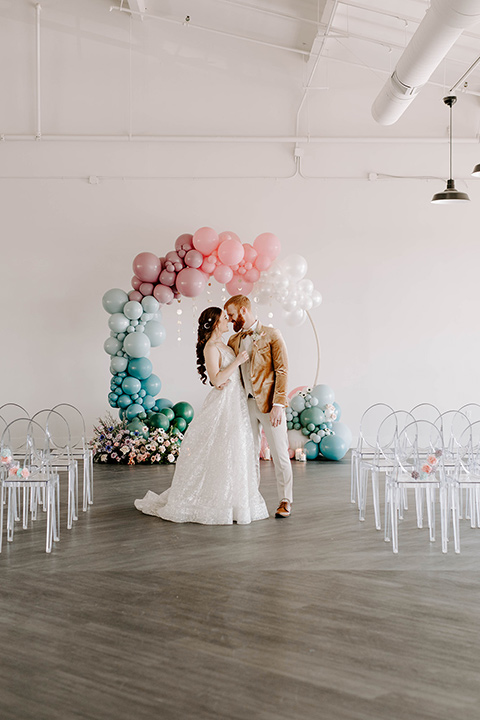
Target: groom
[(265, 380)]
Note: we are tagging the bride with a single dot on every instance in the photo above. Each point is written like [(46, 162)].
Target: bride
[(216, 477)]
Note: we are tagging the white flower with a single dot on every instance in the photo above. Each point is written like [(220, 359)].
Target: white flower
[(171, 458)]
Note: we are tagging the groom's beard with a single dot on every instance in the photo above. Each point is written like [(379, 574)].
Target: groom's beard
[(238, 324)]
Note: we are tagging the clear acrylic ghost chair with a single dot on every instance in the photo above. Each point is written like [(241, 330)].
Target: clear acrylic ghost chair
[(13, 411), (61, 457), (418, 465), (467, 475), (453, 425), (382, 461), (472, 411), (425, 411), (24, 450), (367, 439), (80, 448)]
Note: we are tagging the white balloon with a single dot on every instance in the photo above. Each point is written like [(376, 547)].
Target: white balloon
[(290, 305), (295, 266), (316, 298), (306, 286), (296, 317)]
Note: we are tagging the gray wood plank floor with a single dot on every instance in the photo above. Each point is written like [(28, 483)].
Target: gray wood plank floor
[(132, 617)]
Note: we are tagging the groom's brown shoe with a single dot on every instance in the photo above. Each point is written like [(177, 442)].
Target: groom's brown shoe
[(283, 510)]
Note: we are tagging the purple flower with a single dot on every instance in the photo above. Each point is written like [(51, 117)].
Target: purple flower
[(415, 475)]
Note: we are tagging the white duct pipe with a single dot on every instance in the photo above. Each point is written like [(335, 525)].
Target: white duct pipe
[(442, 25)]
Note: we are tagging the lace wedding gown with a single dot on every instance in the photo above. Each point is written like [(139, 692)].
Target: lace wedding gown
[(216, 477)]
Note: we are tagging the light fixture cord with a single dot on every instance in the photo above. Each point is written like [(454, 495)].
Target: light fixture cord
[(451, 171)]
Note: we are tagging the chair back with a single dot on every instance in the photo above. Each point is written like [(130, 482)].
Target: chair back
[(12, 411), (420, 450), (57, 429), (370, 423), (425, 411), (76, 424), (472, 411), (389, 430), (27, 443), (454, 426)]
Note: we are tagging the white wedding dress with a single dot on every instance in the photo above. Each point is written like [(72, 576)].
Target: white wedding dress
[(216, 477)]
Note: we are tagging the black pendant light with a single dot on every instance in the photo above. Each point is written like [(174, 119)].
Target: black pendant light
[(451, 194)]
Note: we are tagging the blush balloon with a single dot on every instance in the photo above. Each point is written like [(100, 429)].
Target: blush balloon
[(228, 235), (231, 252), (205, 240), (190, 282), (250, 252), (184, 242), (136, 282), (147, 266), (267, 244), (223, 274), (263, 262), (239, 285), (163, 294), (194, 259), (167, 278), (146, 288), (252, 275), (208, 267), (135, 295)]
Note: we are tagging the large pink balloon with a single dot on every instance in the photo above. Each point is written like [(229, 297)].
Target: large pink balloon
[(194, 259), (208, 267), (231, 252), (184, 242), (190, 282), (147, 266), (239, 286), (267, 244), (205, 240), (223, 274), (136, 282), (163, 294), (228, 235), (167, 278), (262, 262)]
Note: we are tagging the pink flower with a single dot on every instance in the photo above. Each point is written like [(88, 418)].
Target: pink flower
[(426, 469), (5, 459), (13, 470), (432, 460), (25, 473)]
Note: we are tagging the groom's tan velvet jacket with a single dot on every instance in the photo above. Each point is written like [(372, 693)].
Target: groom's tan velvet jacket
[(268, 366)]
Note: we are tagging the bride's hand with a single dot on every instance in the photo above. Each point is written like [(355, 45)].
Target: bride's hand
[(242, 357)]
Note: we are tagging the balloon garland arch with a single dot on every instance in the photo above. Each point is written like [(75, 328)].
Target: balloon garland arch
[(135, 320)]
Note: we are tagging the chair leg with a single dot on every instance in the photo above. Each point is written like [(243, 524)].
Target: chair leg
[(430, 502), (444, 517), (353, 478), (376, 499), (394, 518)]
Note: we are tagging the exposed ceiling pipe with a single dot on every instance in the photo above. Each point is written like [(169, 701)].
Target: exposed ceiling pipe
[(442, 25)]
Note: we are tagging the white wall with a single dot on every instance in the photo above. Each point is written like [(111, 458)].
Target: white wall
[(398, 275)]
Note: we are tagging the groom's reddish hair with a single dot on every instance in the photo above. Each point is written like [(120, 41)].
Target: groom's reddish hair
[(239, 301)]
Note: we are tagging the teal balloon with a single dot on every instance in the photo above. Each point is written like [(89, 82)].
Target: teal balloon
[(140, 368), (124, 401), (311, 450), (184, 410), (311, 416), (289, 425), (156, 332), (305, 431), (112, 345), (131, 385), (180, 423), (339, 410), (311, 427), (152, 385), (297, 403), (159, 420), (343, 431), (324, 394), (136, 345), (118, 364), (169, 414), (114, 300), (112, 399), (150, 305), (118, 322), (161, 403), (133, 410), (148, 402), (121, 413), (333, 447), (296, 426), (136, 426)]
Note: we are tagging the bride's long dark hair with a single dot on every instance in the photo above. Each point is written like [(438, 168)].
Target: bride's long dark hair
[(207, 322)]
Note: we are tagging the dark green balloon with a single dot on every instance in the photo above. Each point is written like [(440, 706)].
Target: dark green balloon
[(180, 423), (183, 410), (168, 412), (159, 420)]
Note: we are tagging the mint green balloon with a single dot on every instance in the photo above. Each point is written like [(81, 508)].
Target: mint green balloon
[(114, 300), (312, 416), (118, 364), (112, 346), (118, 322)]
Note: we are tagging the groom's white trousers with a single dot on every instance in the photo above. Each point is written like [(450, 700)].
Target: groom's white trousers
[(277, 440)]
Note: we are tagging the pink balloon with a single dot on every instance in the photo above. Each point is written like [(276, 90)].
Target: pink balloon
[(238, 286), (228, 235), (252, 275), (205, 240), (184, 242), (208, 267), (163, 294), (223, 274), (190, 282), (173, 257), (267, 244), (250, 252), (231, 252), (147, 266), (136, 282), (146, 288), (262, 262), (194, 259), (135, 295), (241, 271), (167, 278)]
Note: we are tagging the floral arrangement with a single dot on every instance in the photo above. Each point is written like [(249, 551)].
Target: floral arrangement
[(6, 459), (113, 442), (429, 466)]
